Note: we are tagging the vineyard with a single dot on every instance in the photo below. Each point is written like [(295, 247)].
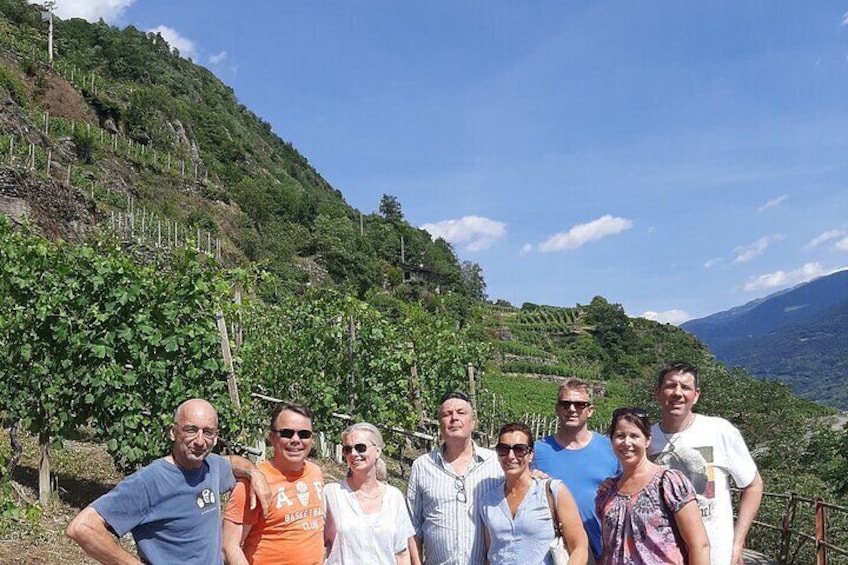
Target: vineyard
[(94, 337), (209, 259)]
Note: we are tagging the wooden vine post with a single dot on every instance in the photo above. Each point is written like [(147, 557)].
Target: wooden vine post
[(351, 376), (232, 386), (472, 387), (415, 384), (45, 487)]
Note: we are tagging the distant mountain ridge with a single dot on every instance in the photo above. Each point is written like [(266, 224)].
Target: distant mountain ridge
[(799, 336)]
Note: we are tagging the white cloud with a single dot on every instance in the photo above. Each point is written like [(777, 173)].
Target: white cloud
[(785, 278), (475, 232), (845, 19), (748, 252), (581, 234), (186, 46), (90, 10), (526, 248), (675, 316), (842, 244), (712, 263), (773, 203), (218, 58), (824, 238)]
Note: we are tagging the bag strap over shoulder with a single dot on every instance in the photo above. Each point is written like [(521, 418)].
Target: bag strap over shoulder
[(552, 505)]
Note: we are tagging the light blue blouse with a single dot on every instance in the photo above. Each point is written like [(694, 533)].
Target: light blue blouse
[(525, 539)]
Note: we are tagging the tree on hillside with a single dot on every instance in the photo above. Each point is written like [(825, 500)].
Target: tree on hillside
[(472, 276), (390, 208), (614, 333)]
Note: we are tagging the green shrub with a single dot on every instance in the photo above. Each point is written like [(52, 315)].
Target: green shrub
[(84, 145), (517, 348), (11, 84)]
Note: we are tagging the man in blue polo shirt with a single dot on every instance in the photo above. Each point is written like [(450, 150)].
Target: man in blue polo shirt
[(577, 456), (172, 506)]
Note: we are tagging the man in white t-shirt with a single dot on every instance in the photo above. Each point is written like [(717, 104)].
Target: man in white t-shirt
[(708, 450)]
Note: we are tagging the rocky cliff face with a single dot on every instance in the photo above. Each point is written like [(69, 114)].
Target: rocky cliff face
[(59, 210)]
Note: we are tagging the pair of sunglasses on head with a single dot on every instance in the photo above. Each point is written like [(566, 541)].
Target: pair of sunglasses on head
[(640, 413)]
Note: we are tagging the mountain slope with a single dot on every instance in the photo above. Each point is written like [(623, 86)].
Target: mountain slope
[(799, 336), (124, 123)]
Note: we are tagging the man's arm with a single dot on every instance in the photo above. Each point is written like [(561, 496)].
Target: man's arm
[(259, 489), (233, 535), (89, 530), (749, 505)]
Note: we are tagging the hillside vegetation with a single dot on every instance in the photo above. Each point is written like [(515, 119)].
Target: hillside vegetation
[(179, 148), (104, 328)]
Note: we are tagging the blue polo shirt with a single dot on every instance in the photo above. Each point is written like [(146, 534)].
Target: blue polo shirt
[(174, 514)]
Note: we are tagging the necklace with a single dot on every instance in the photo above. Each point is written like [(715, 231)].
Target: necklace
[(373, 497), (670, 439)]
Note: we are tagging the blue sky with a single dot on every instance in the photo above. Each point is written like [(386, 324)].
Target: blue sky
[(678, 158)]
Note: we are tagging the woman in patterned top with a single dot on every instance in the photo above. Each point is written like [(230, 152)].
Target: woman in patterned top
[(648, 513)]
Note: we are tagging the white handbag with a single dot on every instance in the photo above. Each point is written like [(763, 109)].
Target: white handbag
[(559, 554)]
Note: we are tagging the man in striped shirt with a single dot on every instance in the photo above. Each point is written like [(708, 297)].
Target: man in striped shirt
[(445, 488)]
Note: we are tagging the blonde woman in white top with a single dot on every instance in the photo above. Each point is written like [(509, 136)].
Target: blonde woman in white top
[(367, 519)]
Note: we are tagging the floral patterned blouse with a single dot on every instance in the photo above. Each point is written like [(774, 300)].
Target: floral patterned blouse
[(637, 528)]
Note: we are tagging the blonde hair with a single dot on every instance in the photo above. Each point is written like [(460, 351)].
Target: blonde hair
[(376, 438)]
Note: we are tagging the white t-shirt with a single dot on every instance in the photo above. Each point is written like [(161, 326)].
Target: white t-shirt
[(366, 538), (708, 452)]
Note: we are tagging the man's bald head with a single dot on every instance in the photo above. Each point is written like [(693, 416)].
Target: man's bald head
[(195, 406)]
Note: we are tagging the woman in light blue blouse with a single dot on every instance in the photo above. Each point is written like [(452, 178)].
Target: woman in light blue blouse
[(518, 526)]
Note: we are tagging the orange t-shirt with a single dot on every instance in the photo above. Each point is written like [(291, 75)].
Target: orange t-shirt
[(293, 531)]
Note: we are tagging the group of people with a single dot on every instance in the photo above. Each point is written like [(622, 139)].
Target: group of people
[(643, 494)]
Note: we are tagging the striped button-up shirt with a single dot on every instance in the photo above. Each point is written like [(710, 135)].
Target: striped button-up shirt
[(445, 506)]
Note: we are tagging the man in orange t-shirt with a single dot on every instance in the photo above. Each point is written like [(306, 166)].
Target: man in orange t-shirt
[(293, 531)]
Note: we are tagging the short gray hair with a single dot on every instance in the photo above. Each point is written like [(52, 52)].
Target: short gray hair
[(574, 383)]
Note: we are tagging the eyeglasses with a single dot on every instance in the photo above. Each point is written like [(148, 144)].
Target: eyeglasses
[(289, 433), (578, 404), (520, 449), (640, 413), (192, 431), (454, 394), (359, 447), (461, 493)]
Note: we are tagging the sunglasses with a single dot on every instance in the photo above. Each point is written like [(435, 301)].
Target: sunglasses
[(461, 493), (640, 413), (289, 433), (520, 449), (578, 404), (192, 431), (359, 447)]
